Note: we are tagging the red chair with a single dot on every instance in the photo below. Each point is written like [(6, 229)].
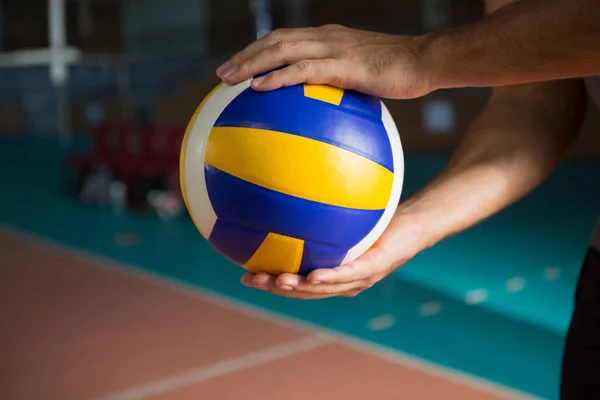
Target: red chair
[(106, 148), (162, 145), (125, 166)]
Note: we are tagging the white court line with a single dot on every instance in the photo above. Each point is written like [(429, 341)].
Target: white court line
[(221, 368), (251, 310)]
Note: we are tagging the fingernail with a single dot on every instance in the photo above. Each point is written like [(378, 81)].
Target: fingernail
[(223, 67), (229, 71), (286, 288), (258, 81)]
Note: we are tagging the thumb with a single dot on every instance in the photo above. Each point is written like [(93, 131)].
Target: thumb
[(371, 264)]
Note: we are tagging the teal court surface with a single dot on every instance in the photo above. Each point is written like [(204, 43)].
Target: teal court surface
[(492, 303)]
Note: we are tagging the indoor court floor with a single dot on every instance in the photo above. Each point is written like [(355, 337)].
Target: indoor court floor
[(97, 305), (82, 328)]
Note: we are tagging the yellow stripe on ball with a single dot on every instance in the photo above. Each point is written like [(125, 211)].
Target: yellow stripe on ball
[(300, 167), (326, 93), (277, 254)]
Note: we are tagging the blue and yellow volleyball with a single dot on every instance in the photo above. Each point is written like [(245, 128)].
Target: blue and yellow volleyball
[(291, 180)]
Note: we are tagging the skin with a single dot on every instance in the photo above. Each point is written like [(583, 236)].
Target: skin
[(533, 115), (525, 41)]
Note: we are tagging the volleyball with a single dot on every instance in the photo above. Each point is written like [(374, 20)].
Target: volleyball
[(291, 180)]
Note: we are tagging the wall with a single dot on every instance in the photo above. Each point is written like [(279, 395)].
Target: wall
[(164, 26), (231, 26), (465, 104)]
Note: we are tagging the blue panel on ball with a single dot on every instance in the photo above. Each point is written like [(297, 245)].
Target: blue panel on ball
[(317, 256), (240, 202), (287, 110), (362, 104), (237, 243)]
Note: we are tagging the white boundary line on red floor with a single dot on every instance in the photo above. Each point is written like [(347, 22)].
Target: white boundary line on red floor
[(194, 376), (251, 310)]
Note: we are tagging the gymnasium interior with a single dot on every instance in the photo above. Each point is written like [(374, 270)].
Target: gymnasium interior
[(108, 291)]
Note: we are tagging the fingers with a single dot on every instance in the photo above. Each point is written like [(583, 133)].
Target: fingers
[(281, 54), (296, 287), (299, 295), (259, 281), (280, 40), (301, 284), (309, 71)]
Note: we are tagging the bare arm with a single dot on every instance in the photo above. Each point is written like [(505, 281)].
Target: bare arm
[(513, 145), (509, 149), (523, 42), (526, 41)]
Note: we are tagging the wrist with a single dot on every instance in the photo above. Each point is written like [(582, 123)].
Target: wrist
[(414, 72), (413, 225), (438, 59)]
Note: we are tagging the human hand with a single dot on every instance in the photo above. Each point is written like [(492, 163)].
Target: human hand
[(401, 241), (382, 65)]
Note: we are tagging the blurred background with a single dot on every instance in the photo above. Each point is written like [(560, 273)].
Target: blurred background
[(94, 98)]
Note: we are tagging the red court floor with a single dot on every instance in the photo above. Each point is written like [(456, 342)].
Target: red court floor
[(77, 328)]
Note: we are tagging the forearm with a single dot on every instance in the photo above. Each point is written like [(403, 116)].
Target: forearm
[(509, 150), (524, 42)]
